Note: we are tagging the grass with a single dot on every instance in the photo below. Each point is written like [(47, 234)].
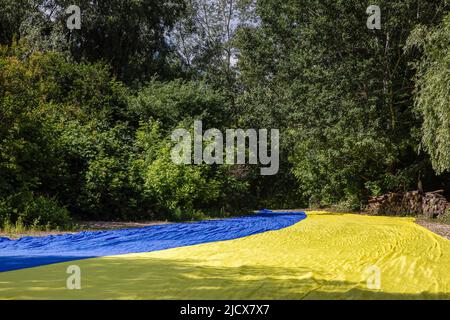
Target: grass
[(445, 218), (20, 229), (12, 230)]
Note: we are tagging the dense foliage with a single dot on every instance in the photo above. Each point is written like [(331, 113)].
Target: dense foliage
[(343, 94), (433, 94), (86, 115)]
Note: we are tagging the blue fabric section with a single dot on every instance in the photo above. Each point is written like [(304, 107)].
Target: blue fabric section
[(32, 252)]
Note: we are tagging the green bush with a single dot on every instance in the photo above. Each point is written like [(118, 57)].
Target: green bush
[(28, 210), (105, 184), (186, 215), (445, 218), (180, 189), (46, 212), (174, 101), (64, 135)]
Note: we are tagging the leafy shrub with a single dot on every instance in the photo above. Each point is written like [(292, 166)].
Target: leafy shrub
[(445, 218), (186, 215), (172, 102), (46, 212), (180, 189), (25, 209)]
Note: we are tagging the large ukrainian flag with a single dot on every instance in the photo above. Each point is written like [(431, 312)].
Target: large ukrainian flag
[(326, 256)]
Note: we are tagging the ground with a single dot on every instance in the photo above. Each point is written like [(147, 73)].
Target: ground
[(442, 229), (83, 226)]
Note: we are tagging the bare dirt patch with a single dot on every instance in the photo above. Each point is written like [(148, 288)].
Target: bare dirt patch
[(111, 225), (83, 226), (442, 229)]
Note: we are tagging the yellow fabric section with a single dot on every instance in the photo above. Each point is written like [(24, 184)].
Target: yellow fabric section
[(326, 256)]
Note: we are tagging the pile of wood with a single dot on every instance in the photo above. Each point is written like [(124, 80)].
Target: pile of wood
[(430, 204)]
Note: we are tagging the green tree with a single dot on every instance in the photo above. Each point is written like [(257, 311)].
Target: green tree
[(12, 14), (64, 136), (128, 35), (173, 101), (432, 94), (340, 93)]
